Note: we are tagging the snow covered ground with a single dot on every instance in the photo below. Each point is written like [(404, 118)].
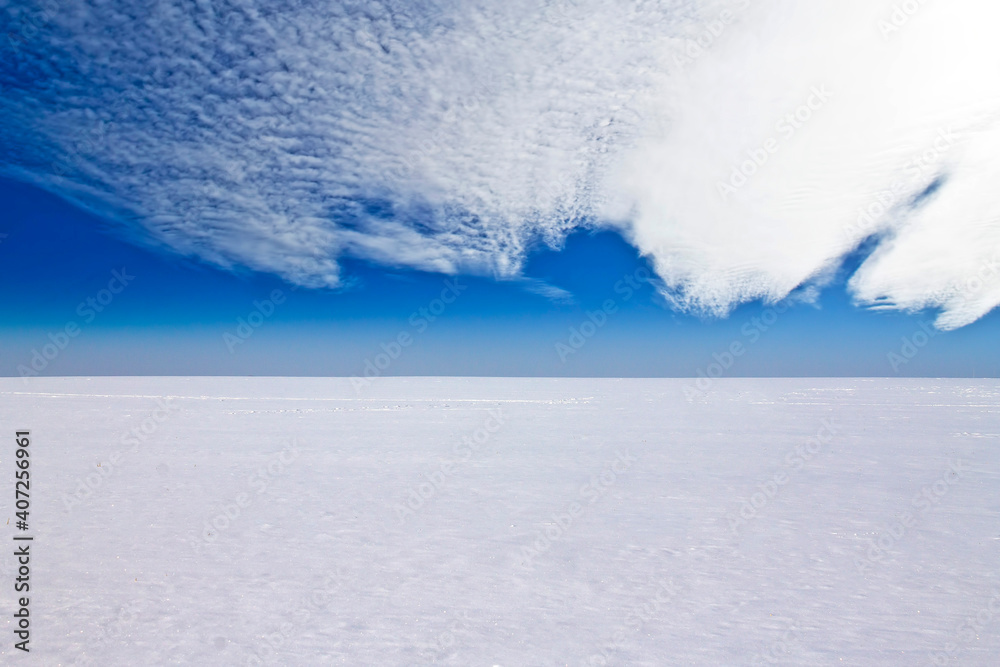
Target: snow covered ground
[(509, 522)]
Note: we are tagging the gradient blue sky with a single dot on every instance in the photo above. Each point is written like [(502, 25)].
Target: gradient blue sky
[(172, 318), (355, 155)]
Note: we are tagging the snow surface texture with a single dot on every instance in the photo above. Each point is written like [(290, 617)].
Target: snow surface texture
[(745, 146), (321, 565)]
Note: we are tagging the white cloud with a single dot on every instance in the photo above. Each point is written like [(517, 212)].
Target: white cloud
[(451, 135), (908, 107)]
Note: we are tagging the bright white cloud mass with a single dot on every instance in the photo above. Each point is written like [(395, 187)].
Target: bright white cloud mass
[(745, 146)]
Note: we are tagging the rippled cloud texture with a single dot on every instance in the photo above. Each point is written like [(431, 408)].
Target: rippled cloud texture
[(745, 146)]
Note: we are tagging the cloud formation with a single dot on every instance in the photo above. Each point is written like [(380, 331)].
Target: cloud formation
[(745, 146)]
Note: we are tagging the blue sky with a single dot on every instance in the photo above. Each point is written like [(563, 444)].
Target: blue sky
[(172, 317), (545, 154)]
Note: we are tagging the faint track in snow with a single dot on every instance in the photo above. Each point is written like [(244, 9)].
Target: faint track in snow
[(566, 401)]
